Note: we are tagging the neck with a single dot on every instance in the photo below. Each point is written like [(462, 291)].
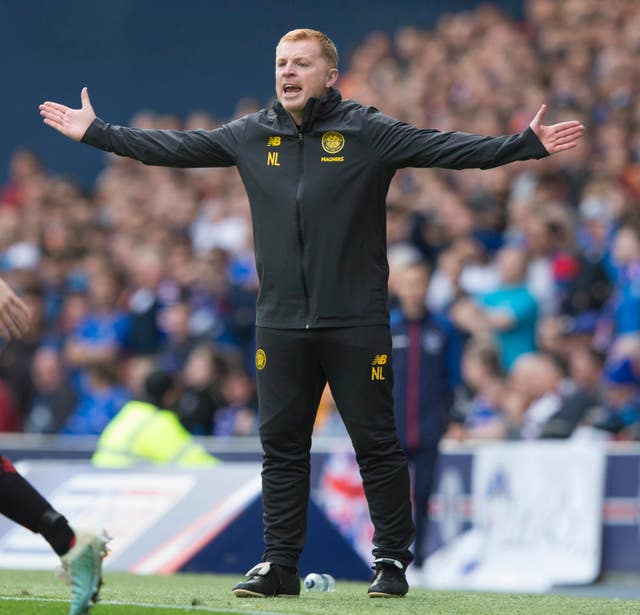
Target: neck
[(414, 312), (296, 116)]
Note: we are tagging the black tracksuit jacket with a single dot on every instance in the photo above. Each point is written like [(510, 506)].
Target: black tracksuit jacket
[(317, 195)]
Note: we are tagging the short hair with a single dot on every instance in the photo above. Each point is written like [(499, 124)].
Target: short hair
[(327, 48), (486, 353)]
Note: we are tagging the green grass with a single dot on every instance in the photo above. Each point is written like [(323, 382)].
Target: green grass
[(28, 593)]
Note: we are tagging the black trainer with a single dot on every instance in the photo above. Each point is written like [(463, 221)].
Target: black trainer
[(267, 580), (390, 580)]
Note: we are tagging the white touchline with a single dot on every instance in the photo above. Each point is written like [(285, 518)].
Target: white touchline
[(150, 605)]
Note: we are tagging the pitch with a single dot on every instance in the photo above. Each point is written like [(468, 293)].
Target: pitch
[(28, 593)]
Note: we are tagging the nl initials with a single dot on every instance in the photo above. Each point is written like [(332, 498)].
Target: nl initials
[(376, 373), (272, 159)]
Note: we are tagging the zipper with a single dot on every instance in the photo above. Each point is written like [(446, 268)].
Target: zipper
[(299, 190)]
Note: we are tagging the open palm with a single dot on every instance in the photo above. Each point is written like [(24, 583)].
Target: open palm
[(558, 137), (72, 123)]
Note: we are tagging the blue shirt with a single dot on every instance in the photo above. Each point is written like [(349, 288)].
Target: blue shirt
[(520, 338)]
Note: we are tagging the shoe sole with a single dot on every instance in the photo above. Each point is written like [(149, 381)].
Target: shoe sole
[(247, 593), (383, 595), (100, 546)]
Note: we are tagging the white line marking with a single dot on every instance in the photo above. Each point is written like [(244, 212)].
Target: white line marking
[(177, 607)]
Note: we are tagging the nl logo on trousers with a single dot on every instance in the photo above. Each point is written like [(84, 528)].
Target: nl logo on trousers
[(379, 361)]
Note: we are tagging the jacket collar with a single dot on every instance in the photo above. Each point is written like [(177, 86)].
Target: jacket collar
[(314, 109)]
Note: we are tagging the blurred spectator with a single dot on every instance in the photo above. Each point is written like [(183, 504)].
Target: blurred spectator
[(144, 431), (534, 395), (200, 397), (17, 358), (24, 169), (144, 304), (586, 378), (178, 342), (621, 413), (52, 398), (482, 374), (238, 415), (426, 371), (9, 415), (625, 301), (100, 397), (509, 313), (103, 333)]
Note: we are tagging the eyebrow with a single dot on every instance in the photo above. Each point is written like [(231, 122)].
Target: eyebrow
[(297, 57)]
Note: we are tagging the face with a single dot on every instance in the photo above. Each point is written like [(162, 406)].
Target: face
[(626, 246), (301, 73), (512, 265), (412, 285)]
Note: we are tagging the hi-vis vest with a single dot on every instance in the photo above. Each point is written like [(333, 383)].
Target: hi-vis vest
[(142, 433)]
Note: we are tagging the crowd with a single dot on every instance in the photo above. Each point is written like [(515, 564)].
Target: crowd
[(536, 265)]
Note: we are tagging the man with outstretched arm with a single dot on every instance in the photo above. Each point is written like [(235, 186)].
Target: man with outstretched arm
[(317, 170)]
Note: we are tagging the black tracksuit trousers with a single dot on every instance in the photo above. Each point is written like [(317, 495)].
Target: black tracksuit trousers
[(293, 367)]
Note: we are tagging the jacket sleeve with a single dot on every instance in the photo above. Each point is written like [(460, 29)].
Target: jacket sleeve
[(170, 148), (401, 145)]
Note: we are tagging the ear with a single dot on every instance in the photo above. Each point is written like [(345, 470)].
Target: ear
[(332, 77)]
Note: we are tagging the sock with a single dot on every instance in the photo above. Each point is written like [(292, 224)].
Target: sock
[(22, 503), (56, 531)]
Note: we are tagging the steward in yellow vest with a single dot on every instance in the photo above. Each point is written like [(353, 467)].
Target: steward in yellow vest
[(142, 432)]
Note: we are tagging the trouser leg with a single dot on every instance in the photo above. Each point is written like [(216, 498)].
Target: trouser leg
[(357, 363), (290, 383), (424, 462)]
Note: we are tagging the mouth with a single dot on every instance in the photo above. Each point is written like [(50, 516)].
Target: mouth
[(290, 90)]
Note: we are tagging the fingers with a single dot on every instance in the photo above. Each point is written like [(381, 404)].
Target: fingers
[(54, 124), (562, 148), (559, 145), (14, 317), (10, 327), (84, 98), (20, 314), (562, 126), (565, 136), (51, 114), (541, 112), (565, 140), (53, 105)]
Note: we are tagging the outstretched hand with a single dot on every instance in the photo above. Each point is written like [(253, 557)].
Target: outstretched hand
[(14, 314), (72, 123), (558, 137)]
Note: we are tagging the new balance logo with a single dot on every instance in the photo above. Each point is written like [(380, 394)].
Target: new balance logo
[(376, 366), (274, 141)]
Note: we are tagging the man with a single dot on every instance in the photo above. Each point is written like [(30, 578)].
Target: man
[(509, 313), (426, 360), (317, 170), (81, 551)]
